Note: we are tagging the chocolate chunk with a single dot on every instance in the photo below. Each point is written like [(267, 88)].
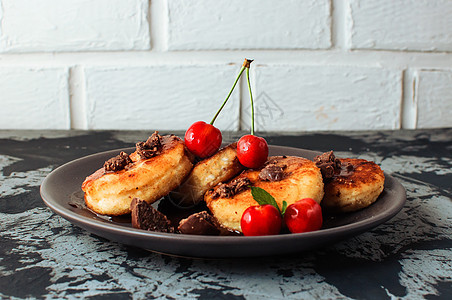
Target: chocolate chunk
[(228, 190), (145, 217), (328, 164), (201, 223), (151, 147), (272, 172), (118, 162)]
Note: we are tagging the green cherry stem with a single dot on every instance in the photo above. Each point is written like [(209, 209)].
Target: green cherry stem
[(244, 66), (251, 99), (229, 95)]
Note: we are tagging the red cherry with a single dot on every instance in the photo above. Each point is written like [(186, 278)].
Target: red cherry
[(252, 151), (303, 216), (203, 139), (261, 220)]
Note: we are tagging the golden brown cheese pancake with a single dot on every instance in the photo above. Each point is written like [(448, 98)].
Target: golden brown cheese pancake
[(301, 178), (111, 193), (355, 189), (206, 174)]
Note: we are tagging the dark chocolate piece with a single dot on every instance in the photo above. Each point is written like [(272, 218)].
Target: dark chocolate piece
[(228, 190), (145, 217), (272, 172), (328, 164), (118, 162), (151, 147), (201, 223)]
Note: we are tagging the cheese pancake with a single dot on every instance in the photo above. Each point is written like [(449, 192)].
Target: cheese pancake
[(285, 178), (206, 174), (357, 185), (149, 179)]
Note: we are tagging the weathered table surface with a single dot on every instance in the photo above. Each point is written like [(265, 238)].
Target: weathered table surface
[(44, 256)]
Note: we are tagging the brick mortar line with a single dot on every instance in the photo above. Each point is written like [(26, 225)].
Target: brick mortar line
[(77, 98), (325, 57), (339, 16)]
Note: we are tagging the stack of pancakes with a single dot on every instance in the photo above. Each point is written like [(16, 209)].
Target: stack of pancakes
[(171, 170)]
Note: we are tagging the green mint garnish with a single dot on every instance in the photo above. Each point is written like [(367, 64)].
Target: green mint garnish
[(284, 206), (263, 197)]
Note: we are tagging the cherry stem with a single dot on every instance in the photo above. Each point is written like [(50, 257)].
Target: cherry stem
[(229, 95), (251, 99)]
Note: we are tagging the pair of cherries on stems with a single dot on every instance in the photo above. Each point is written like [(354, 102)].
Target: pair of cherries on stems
[(204, 140)]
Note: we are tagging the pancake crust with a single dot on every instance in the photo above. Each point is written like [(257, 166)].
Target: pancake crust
[(302, 179), (206, 174), (110, 193), (355, 191)]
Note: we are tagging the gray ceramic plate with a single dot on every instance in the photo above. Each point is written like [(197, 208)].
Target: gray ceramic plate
[(62, 186)]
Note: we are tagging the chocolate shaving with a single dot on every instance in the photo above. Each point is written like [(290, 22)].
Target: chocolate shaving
[(228, 190), (145, 217), (346, 169), (201, 223), (349, 167), (151, 147), (119, 162), (328, 164), (272, 172)]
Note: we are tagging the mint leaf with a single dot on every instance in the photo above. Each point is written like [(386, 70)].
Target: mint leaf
[(263, 197)]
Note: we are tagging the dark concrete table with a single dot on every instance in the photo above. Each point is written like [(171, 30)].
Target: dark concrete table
[(44, 256)]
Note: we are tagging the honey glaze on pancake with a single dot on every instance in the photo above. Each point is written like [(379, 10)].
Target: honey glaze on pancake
[(301, 179), (148, 179), (352, 191), (206, 174), (168, 143), (362, 172)]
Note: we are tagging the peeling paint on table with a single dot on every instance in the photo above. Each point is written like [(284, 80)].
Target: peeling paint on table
[(409, 257)]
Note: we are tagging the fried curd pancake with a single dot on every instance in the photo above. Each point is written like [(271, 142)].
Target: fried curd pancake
[(286, 178), (156, 167), (356, 185), (206, 174)]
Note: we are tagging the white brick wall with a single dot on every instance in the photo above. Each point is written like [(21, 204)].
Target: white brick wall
[(401, 25), (54, 25), (434, 98), (235, 24), (138, 64), (325, 98), (162, 97), (34, 98)]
